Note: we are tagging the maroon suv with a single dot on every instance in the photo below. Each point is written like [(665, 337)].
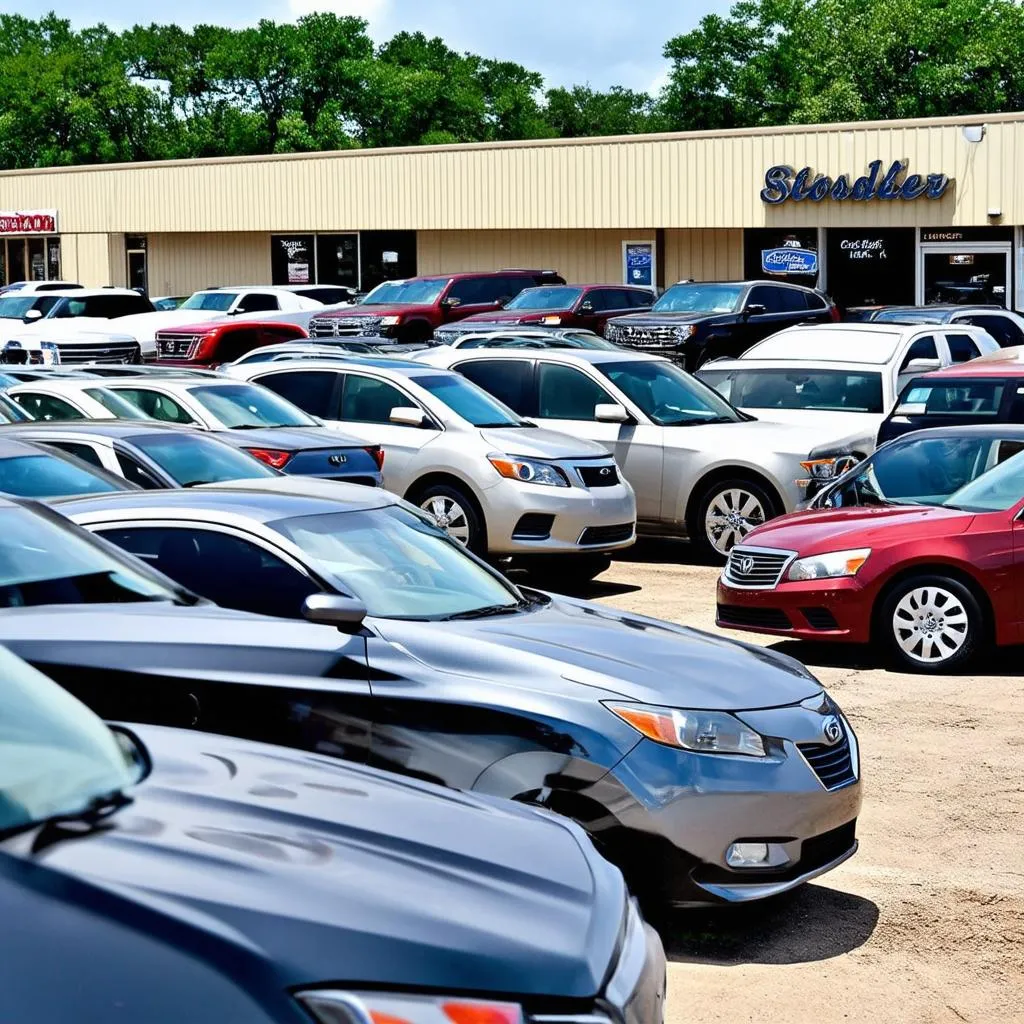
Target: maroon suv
[(409, 310), (586, 306)]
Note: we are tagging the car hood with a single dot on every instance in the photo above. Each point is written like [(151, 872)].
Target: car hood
[(317, 871), (815, 531), (395, 309), (144, 326), (520, 316), (568, 644), (826, 427), (642, 319), (292, 438), (538, 443), (744, 437)]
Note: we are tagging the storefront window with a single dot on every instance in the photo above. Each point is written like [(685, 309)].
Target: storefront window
[(781, 255), (387, 256), (292, 259), (52, 259), (338, 259), (16, 267), (966, 266), (37, 259), (871, 267)]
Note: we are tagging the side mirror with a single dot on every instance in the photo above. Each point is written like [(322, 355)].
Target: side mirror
[(586, 307), (345, 613), (755, 309), (921, 366), (33, 314), (450, 303), (911, 409), (407, 416), (611, 412)]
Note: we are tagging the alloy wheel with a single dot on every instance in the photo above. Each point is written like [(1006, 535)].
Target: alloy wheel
[(449, 515), (731, 515), (930, 624)]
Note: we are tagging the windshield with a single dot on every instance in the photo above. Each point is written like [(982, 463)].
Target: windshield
[(995, 491), (470, 402), (907, 316), (11, 412), (50, 476), (397, 563), (47, 560), (545, 298), (700, 298), (114, 403), (16, 307), (249, 405), (834, 390), (219, 302), (196, 459), (923, 471), (667, 395), (424, 291), (58, 756)]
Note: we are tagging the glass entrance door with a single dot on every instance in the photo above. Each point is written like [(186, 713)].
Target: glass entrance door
[(966, 275)]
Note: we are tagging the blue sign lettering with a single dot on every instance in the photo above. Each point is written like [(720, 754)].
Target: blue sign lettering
[(789, 260), (785, 184)]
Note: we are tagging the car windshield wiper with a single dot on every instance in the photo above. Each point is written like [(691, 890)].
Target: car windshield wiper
[(80, 823), (701, 422), (486, 611)]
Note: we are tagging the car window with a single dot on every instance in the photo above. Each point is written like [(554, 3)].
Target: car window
[(135, 473), (789, 300), (508, 380), (815, 302), (471, 291), (1002, 328), (368, 400), (667, 394), (191, 459), (565, 393), (618, 298), (959, 398), (213, 302), (838, 390), (249, 405), (922, 348), (763, 295), (228, 570), (962, 348), (601, 299), (256, 302), (700, 298), (469, 401), (548, 297), (310, 390), (115, 404), (49, 476), (639, 299), (156, 406), (47, 407), (85, 452)]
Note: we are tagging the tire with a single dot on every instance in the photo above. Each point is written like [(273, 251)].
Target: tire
[(920, 602), (726, 512), (455, 513), (555, 571)]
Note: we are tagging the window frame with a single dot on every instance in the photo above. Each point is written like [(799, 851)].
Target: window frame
[(600, 385), (530, 378), (52, 398), (193, 419), (431, 421), (333, 402)]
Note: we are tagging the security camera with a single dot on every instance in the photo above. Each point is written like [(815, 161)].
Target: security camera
[(994, 213), (973, 132)]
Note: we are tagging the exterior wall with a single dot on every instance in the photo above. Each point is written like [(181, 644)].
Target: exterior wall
[(703, 255), (692, 180), (179, 264), (87, 259)]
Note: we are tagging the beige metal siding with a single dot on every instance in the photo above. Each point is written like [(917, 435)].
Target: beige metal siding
[(87, 259), (180, 264), (699, 180), (703, 255)]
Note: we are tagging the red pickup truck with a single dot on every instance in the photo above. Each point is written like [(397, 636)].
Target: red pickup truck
[(220, 341)]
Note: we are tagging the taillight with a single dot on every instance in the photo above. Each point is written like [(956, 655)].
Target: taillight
[(271, 456), (376, 453), (836, 315)]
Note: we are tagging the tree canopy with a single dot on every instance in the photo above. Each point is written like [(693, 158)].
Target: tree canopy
[(93, 95)]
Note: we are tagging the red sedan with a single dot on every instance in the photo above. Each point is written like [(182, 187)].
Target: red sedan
[(932, 584)]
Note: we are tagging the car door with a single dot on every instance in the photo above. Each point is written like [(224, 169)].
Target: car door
[(922, 355), (470, 295), (593, 309), (962, 347), (238, 570)]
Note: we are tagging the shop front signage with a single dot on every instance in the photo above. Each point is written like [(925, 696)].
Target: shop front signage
[(638, 263), (789, 260), (784, 184), (28, 222), (999, 234)]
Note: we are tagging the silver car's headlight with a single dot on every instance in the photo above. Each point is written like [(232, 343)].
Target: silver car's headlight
[(705, 732), (334, 1006), (831, 565), (528, 471)]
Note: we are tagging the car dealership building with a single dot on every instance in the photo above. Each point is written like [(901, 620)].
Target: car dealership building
[(881, 212)]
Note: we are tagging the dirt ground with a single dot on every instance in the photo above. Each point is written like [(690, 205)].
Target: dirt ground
[(926, 923)]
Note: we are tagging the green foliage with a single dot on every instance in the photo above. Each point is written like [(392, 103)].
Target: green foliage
[(159, 91)]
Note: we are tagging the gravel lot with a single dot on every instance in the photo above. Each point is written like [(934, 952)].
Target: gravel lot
[(926, 923)]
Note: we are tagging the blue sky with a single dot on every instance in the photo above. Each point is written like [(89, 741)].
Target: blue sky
[(600, 42)]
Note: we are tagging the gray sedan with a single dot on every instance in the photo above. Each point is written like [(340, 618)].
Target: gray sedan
[(709, 770)]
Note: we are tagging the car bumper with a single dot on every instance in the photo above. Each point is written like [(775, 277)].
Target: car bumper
[(686, 810), (524, 518), (838, 609)]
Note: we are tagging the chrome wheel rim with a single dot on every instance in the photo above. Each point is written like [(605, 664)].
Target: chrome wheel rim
[(731, 515), (930, 625), (450, 516)]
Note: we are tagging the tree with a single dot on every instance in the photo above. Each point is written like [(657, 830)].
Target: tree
[(580, 111)]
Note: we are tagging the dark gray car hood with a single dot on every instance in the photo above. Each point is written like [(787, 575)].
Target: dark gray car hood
[(317, 871), (616, 653)]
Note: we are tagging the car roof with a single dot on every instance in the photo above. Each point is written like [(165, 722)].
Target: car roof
[(12, 447), (871, 343), (747, 284), (1011, 431), (274, 498), (981, 368), (342, 359), (74, 385), (583, 355), (209, 326), (113, 429), (80, 293)]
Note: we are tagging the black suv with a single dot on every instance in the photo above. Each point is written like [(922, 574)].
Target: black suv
[(695, 321)]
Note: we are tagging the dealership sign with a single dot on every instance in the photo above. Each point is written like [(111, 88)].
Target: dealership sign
[(28, 222), (789, 260), (784, 184)]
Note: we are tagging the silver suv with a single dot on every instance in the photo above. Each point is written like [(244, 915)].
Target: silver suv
[(493, 481)]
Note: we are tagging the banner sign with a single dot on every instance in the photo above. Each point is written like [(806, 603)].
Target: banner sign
[(28, 222), (784, 184), (789, 260), (638, 259)]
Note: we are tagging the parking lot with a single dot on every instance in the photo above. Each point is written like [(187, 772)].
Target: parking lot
[(926, 923)]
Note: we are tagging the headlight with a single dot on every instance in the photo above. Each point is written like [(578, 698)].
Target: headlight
[(49, 353), (390, 321), (820, 469), (706, 732), (529, 472), (331, 1006), (831, 565), (551, 321), (682, 333)]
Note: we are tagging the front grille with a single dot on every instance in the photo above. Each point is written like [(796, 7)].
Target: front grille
[(819, 618), (653, 335), (533, 526), (756, 568), (175, 346), (755, 618), (832, 764), (112, 352), (606, 534), (344, 326), (598, 476)]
